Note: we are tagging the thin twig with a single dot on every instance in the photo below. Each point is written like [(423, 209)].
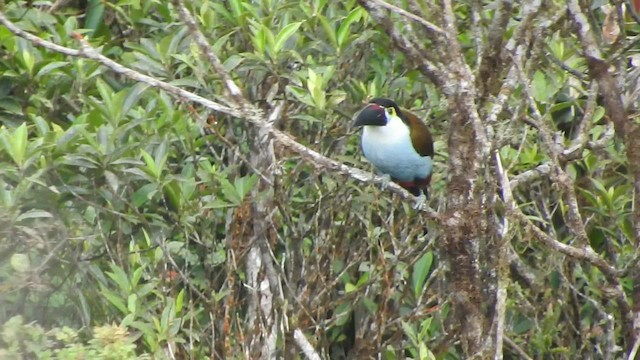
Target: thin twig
[(203, 44), (414, 50), (256, 118), (431, 28), (517, 348), (585, 253)]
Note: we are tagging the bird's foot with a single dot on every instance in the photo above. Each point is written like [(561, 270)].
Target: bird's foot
[(386, 179), (421, 202)]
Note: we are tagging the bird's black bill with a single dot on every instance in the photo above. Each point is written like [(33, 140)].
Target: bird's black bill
[(371, 115)]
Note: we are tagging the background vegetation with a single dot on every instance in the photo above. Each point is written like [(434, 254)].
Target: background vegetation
[(140, 221)]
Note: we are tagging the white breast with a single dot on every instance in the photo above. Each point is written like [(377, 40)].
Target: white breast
[(390, 150)]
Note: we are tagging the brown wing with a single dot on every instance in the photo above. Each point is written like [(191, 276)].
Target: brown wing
[(420, 135)]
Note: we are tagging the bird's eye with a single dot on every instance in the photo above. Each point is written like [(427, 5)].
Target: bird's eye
[(391, 111)]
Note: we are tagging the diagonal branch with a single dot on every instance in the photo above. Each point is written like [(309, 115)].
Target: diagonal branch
[(231, 87), (432, 29), (88, 52), (412, 49), (305, 345), (627, 130), (585, 253), (254, 116)]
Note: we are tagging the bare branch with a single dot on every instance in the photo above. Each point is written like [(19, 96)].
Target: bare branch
[(256, 117), (305, 345), (432, 29), (625, 129), (414, 50), (517, 348), (212, 58), (530, 176), (88, 52), (599, 68), (581, 139), (585, 253), (503, 248), (581, 76)]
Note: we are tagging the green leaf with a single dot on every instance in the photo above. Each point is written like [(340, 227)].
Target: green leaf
[(16, 144), (540, 88), (420, 271), (270, 39), (336, 97), (300, 94), (50, 67), (232, 62), (343, 30), (342, 311), (135, 278), (523, 326), (362, 281), (127, 321), (151, 167), (67, 136), (425, 328), (34, 214), (244, 184), (29, 60), (11, 106), (557, 48), (349, 287), (259, 40), (598, 114), (329, 31), (179, 302), (425, 353), (410, 332), (284, 34), (20, 262), (112, 180), (114, 299), (120, 277), (105, 92), (144, 194), (188, 188), (94, 15), (166, 318), (371, 305), (236, 8), (229, 191), (19, 144), (131, 303), (6, 196), (160, 157), (314, 85), (42, 126), (116, 109), (173, 193), (133, 96), (218, 203)]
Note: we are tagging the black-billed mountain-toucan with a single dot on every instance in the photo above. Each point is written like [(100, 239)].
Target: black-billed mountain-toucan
[(397, 143)]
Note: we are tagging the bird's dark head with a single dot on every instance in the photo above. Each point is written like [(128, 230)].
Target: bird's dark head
[(376, 112)]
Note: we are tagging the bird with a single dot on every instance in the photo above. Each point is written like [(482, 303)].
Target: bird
[(397, 143)]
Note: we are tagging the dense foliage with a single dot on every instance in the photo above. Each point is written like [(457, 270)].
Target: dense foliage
[(133, 221)]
